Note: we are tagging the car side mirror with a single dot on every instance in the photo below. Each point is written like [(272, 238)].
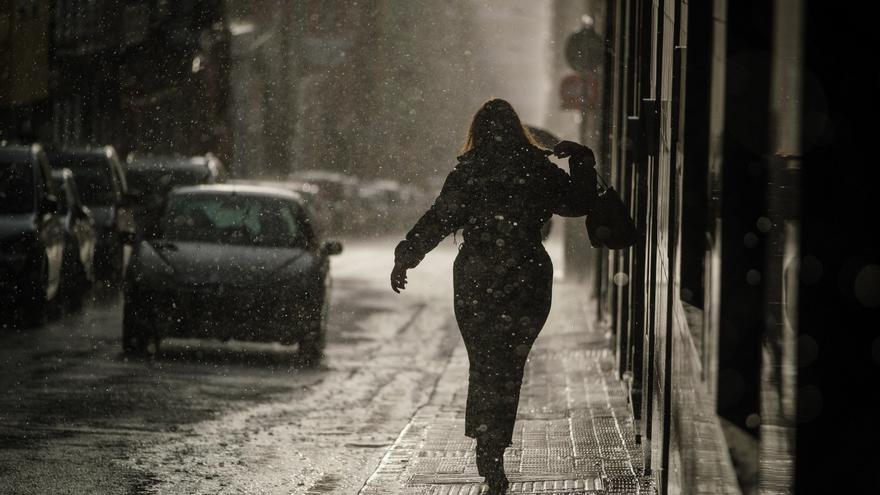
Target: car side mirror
[(331, 248)]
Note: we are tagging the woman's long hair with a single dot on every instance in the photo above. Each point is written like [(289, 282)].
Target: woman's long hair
[(496, 126)]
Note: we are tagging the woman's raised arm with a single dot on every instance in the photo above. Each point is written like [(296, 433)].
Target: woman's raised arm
[(443, 218), (577, 190)]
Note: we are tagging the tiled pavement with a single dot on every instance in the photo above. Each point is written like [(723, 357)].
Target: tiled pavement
[(574, 431)]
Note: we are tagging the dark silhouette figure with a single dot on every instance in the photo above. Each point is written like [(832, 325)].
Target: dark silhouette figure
[(500, 193)]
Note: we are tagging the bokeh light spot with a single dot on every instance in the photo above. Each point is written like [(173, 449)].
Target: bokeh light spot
[(867, 286)]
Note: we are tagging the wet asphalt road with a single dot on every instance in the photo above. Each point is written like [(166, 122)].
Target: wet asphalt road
[(76, 416)]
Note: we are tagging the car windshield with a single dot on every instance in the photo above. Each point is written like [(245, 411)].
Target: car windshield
[(160, 180), (16, 186), (93, 178), (233, 219)]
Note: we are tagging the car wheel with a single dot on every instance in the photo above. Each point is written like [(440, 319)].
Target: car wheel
[(311, 347), (138, 338)]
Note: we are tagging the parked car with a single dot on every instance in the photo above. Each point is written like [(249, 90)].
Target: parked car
[(31, 234), (80, 238), (101, 181), (151, 177), (319, 213), (231, 262), (389, 206), (338, 192)]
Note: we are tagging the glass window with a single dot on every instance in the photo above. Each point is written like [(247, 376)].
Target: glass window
[(233, 219)]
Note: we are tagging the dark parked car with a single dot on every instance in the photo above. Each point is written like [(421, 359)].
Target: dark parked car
[(78, 267), (152, 177), (231, 262), (31, 234), (101, 182), (338, 193), (316, 207)]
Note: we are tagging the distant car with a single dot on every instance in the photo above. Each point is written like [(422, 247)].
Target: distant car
[(389, 205), (232, 262), (151, 177), (78, 266), (335, 185), (338, 192), (31, 234), (317, 208), (101, 181), (380, 204)]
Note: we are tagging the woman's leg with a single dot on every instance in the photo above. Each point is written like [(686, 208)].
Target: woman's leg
[(498, 333), (490, 456)]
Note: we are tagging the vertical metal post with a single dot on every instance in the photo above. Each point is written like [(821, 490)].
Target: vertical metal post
[(603, 267), (779, 345)]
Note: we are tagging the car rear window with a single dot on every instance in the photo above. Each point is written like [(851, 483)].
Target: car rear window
[(234, 219)]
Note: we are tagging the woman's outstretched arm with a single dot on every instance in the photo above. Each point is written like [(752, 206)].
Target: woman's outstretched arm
[(443, 218), (578, 190)]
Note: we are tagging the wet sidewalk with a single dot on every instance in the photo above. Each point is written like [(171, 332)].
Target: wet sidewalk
[(574, 432)]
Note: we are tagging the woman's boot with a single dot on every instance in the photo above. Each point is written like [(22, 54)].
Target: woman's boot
[(497, 484), (490, 465)]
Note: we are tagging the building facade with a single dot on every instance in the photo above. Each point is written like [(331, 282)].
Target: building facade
[(24, 68), (148, 75), (704, 306)]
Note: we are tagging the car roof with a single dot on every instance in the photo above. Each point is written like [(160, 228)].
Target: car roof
[(88, 151), (18, 151), (62, 173), (54, 154), (297, 186), (151, 162), (243, 189), (322, 175)]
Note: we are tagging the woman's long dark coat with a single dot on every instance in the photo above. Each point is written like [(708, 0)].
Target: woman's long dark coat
[(502, 275)]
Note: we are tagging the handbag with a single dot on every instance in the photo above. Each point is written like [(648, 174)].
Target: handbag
[(609, 224)]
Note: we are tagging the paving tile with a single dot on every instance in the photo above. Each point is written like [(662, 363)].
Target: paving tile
[(574, 432)]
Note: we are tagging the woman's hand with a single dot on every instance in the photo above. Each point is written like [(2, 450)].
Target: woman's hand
[(564, 149), (398, 278)]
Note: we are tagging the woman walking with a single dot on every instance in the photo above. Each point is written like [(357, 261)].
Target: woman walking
[(500, 193)]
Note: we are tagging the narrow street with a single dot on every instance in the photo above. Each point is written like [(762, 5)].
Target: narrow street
[(231, 181), (76, 416)]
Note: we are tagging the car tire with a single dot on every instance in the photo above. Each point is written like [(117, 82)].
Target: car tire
[(311, 348), (314, 340), (138, 339)]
